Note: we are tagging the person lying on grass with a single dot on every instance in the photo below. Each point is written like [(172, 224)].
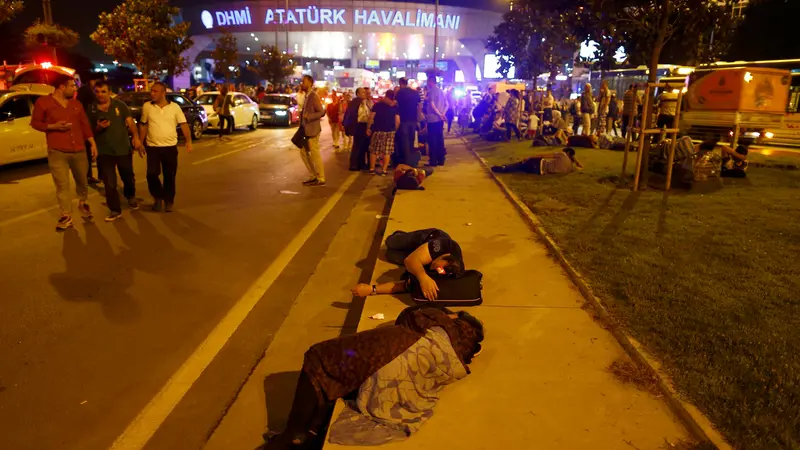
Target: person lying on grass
[(560, 162), (394, 372), (419, 251), (734, 162)]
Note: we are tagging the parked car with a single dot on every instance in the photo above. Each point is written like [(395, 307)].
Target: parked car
[(18, 140), (279, 109), (195, 115), (244, 110)]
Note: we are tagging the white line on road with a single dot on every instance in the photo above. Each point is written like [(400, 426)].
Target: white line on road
[(156, 412), (225, 154)]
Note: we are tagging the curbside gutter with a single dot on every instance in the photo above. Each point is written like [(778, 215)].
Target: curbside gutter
[(698, 426)]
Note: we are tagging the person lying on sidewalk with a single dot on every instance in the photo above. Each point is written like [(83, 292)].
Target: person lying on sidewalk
[(560, 162), (410, 178), (395, 373), (419, 251)]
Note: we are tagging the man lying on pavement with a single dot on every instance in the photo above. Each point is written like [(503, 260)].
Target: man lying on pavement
[(560, 162), (419, 251), (395, 373), (410, 178)]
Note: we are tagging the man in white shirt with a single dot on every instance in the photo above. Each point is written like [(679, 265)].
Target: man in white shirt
[(158, 132)]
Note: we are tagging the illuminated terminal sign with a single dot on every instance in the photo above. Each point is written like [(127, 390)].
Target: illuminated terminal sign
[(313, 15)]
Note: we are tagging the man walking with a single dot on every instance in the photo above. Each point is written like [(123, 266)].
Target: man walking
[(408, 103), (627, 108), (67, 129), (112, 121), (157, 130), (435, 118), (333, 120), (310, 121), (87, 98)]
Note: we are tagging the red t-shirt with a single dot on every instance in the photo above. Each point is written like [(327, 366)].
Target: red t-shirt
[(47, 111)]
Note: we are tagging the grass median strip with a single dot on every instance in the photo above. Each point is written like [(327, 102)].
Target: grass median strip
[(706, 279)]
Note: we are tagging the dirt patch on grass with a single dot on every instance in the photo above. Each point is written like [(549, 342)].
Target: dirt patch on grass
[(549, 205), (629, 373)]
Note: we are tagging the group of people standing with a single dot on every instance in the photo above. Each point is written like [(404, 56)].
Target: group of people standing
[(103, 129)]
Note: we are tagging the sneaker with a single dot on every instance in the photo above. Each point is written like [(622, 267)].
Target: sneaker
[(93, 180), (63, 223), (318, 183), (309, 182), (167, 207), (133, 204), (158, 205), (86, 211), (113, 215)]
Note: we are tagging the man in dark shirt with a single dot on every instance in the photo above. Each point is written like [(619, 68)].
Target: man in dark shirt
[(408, 102), (87, 98)]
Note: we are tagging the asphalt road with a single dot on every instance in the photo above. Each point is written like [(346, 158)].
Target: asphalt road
[(94, 321)]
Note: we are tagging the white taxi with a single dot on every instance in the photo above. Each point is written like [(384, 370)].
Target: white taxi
[(18, 140), (244, 110)]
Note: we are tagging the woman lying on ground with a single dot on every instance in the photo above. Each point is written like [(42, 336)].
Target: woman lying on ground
[(396, 371), (562, 162)]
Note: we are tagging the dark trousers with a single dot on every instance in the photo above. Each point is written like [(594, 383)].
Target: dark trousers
[(436, 143), (625, 123), (107, 166), (360, 150), (512, 126), (449, 115), (401, 244), (308, 414), (405, 137), (576, 123), (665, 121), (225, 124), (162, 159), (530, 165), (89, 158)]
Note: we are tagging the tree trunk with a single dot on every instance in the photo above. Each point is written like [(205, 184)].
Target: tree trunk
[(647, 119)]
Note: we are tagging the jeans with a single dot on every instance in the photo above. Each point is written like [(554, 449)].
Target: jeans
[(162, 159), (449, 115), (335, 133), (512, 126), (225, 124), (108, 166), (61, 164), (89, 160), (436, 143), (530, 165), (405, 139), (401, 244), (313, 159), (360, 150)]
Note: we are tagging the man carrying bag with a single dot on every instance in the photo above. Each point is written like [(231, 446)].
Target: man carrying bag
[(307, 135)]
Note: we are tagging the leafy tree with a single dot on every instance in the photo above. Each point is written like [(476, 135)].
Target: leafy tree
[(226, 55), (144, 32), (272, 64), (9, 9), (43, 34)]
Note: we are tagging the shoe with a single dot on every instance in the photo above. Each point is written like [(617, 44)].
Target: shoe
[(309, 182), (113, 215), (86, 211), (63, 223), (133, 204), (93, 180), (318, 183), (158, 205), (167, 207)]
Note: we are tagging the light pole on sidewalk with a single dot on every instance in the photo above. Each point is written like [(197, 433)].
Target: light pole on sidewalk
[(435, 38)]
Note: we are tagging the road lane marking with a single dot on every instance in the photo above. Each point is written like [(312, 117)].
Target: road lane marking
[(225, 154), (149, 419)]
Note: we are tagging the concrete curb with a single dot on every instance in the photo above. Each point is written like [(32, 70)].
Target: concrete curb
[(698, 426)]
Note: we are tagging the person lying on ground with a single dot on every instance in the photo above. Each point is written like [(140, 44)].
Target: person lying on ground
[(410, 178), (412, 360), (419, 252), (560, 162), (734, 162), (582, 141)]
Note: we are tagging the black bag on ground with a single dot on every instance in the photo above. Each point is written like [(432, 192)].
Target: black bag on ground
[(299, 138), (462, 291)]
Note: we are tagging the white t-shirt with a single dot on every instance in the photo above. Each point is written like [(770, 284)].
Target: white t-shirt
[(162, 124), (533, 122)]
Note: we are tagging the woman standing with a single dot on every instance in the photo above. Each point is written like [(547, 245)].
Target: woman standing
[(384, 120), (548, 102), (222, 106), (613, 114), (347, 139), (603, 100), (587, 110), (511, 114), (360, 109)]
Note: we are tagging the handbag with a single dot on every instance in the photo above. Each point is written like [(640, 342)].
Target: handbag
[(453, 291), (299, 138)]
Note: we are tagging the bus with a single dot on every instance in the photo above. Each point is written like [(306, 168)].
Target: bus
[(619, 80)]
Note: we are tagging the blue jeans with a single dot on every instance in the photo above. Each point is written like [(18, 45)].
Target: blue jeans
[(405, 137)]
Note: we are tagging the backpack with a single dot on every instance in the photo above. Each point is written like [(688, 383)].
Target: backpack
[(462, 291)]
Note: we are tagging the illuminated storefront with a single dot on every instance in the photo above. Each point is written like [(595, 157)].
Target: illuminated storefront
[(382, 36)]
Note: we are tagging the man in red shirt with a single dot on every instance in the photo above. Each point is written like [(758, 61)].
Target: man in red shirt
[(66, 126), (332, 111)]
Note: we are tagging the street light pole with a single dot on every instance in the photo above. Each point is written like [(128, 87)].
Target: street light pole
[(48, 20), (435, 38), (286, 27)]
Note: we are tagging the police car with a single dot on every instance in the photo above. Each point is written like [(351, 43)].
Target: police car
[(18, 140)]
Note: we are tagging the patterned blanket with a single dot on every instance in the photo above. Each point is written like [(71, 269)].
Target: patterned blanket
[(397, 399)]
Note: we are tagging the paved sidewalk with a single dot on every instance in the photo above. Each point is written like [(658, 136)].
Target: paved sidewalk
[(542, 380)]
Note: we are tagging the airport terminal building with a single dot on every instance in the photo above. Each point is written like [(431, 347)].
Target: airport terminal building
[(389, 38)]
